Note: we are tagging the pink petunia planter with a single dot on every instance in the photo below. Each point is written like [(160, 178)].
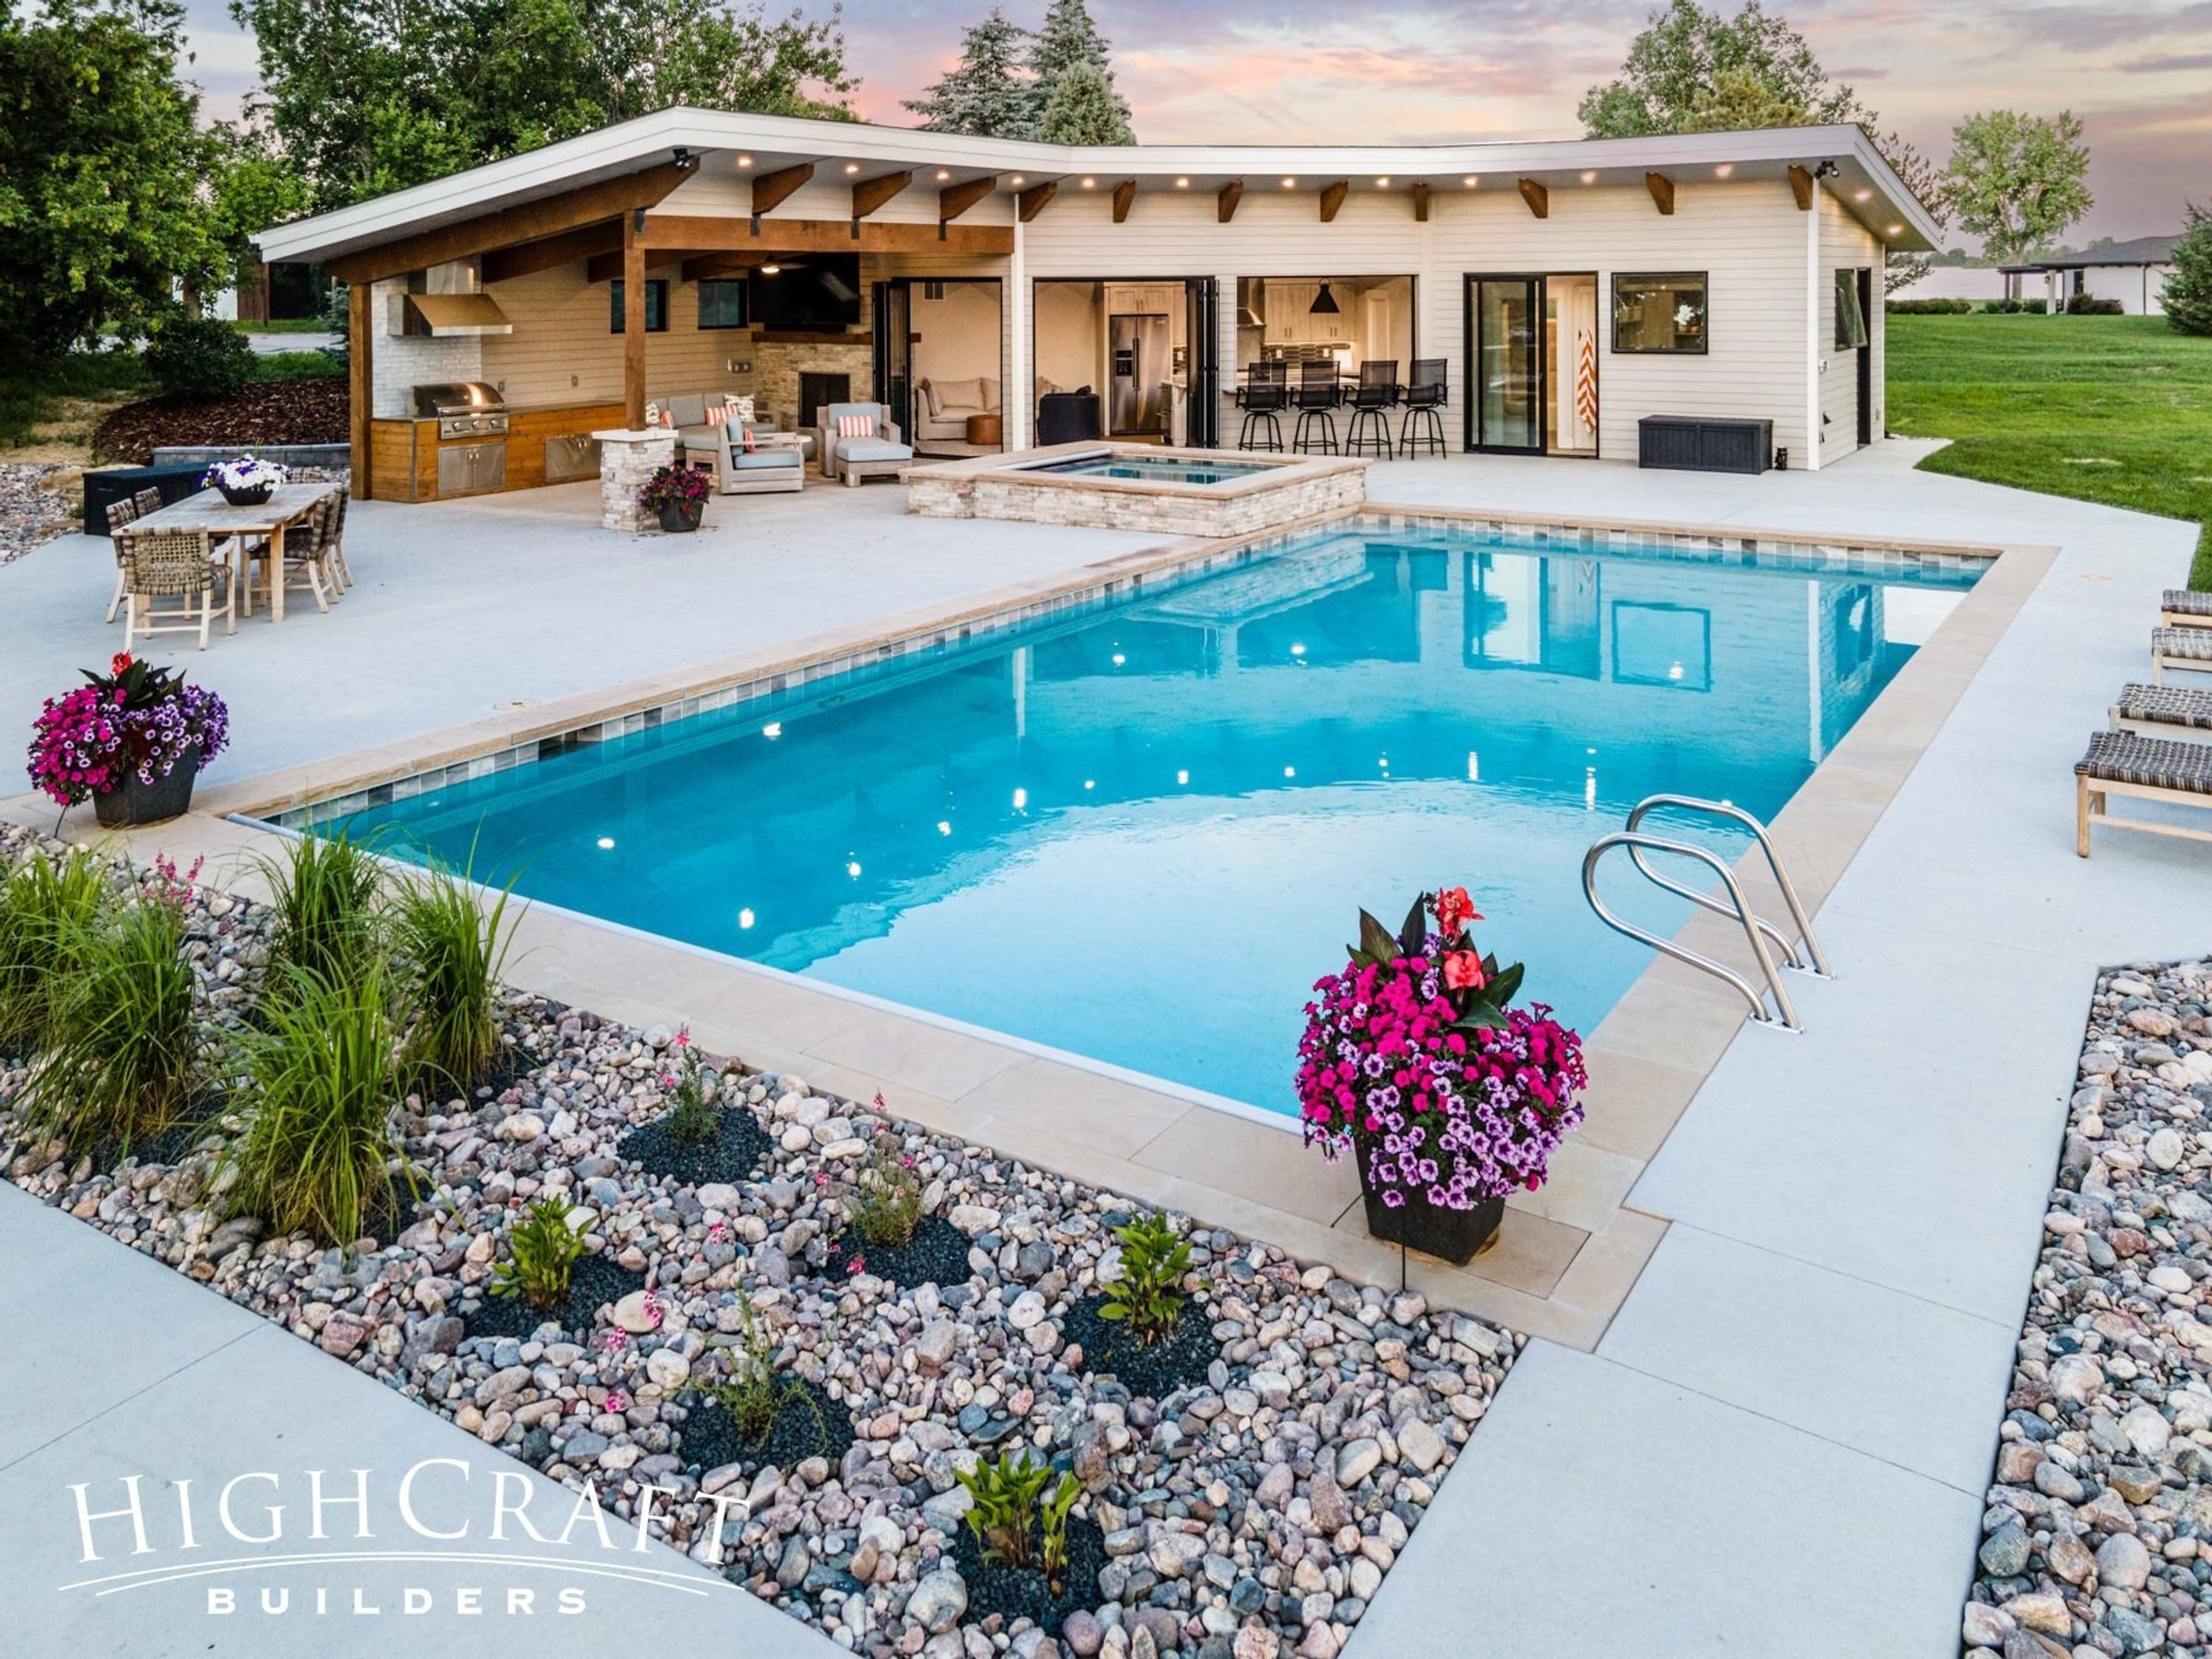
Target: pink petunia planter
[(1450, 1235), (166, 797)]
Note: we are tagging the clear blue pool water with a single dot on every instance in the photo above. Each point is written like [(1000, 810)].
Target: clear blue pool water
[(1160, 469), (1141, 833)]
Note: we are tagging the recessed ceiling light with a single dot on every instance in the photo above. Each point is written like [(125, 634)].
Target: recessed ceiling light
[(1289, 184), (1897, 229), (1090, 183), (1382, 183), (942, 173), (1015, 180), (1861, 195), (1472, 179), (745, 160), (851, 167), (1590, 175), (769, 270), (1183, 183), (1723, 169)]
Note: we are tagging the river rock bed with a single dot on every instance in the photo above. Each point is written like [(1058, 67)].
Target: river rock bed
[(1252, 1513), (2097, 1538)]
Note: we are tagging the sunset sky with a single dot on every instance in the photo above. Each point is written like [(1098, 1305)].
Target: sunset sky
[(2138, 72)]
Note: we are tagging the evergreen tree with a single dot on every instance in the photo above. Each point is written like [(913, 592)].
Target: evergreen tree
[(1081, 109), (986, 93), (2188, 292), (1067, 39)]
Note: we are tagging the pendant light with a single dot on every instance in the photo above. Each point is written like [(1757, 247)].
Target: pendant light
[(1324, 303)]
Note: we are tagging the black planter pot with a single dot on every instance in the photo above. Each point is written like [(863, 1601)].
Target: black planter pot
[(166, 797), (679, 517), (247, 497), (1454, 1236)]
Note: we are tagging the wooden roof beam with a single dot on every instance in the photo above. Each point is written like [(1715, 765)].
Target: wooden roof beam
[(1125, 196), (606, 268), (772, 190), (1663, 191), (1332, 198), (1420, 201), (1801, 187), (549, 252), (956, 199), (1031, 201), (871, 193), (686, 235), (1225, 206), (1538, 198)]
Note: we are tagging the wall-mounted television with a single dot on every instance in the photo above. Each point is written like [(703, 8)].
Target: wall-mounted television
[(810, 292)]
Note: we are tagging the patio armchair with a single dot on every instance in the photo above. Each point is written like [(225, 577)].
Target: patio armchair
[(858, 440), (172, 564), (763, 469)]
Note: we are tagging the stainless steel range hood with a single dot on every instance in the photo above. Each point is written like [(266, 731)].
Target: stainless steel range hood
[(448, 301)]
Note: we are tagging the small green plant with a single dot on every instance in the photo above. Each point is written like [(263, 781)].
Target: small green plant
[(886, 1202), (324, 891), (695, 1119), (542, 1254), (49, 909), (1148, 1296), (1020, 1513), (124, 1051), (756, 1393), (452, 949), (318, 1081)]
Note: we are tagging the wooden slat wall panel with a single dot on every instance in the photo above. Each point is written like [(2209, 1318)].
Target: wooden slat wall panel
[(527, 432)]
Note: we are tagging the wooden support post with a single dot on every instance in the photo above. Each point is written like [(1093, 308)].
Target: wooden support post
[(1031, 201), (1124, 194), (1420, 201), (633, 321), (1801, 187), (1332, 198), (1663, 191), (1232, 193), (1538, 198), (360, 381)]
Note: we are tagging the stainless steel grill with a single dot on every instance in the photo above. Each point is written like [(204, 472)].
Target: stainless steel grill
[(462, 409)]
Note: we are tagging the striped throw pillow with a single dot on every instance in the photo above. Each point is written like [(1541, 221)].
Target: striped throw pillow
[(856, 425), (717, 414)]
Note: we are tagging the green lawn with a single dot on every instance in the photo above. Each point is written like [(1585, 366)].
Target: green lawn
[(2113, 410), (307, 326)]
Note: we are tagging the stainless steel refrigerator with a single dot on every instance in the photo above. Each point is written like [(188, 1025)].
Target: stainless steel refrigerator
[(1136, 403)]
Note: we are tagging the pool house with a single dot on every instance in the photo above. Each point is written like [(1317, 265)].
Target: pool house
[(1715, 294)]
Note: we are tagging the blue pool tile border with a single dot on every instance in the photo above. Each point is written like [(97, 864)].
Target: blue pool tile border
[(1894, 560)]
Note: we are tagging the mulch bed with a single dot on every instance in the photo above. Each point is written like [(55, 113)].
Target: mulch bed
[(262, 412), (166, 1146), (732, 1157), (708, 1440), (596, 1281), (1024, 1592), (1111, 1349), (936, 1255)]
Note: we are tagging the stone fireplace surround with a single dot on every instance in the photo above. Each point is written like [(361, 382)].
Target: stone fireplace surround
[(779, 360)]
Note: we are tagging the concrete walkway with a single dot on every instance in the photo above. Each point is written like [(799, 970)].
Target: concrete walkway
[(1781, 1445)]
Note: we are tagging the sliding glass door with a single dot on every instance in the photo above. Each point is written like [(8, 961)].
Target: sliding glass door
[(1506, 366)]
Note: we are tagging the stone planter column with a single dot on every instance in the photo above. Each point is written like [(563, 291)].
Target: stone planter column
[(628, 459)]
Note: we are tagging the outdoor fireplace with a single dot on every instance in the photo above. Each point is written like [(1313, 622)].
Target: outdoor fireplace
[(817, 391)]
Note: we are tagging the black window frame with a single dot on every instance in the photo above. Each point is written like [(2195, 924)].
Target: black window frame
[(1704, 336), (745, 301), (1845, 283), (656, 294)]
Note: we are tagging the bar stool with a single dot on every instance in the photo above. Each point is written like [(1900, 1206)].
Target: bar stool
[(1373, 399), (1319, 393), (1264, 394), (1424, 396)]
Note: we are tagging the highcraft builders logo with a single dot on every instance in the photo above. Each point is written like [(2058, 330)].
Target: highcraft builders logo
[(441, 1537)]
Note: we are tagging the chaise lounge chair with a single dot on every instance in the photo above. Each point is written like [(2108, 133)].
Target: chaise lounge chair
[(2179, 647), (2163, 712), (2149, 769), (2185, 607)]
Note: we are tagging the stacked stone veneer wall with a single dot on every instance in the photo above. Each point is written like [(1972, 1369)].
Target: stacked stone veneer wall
[(1038, 501), (777, 365), (626, 461)]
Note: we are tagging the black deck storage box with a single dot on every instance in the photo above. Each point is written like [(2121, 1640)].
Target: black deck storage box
[(175, 479), (1067, 417), (1690, 444)]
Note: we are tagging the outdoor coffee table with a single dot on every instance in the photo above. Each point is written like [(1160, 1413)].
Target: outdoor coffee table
[(288, 504)]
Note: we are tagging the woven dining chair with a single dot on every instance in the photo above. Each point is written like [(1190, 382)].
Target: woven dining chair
[(307, 554), (334, 549), (173, 564), (147, 500), (121, 511)]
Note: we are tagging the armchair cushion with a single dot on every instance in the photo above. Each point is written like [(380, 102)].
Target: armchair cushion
[(874, 449)]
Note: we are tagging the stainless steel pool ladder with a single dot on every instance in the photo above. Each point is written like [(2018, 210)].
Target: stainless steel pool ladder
[(1802, 953)]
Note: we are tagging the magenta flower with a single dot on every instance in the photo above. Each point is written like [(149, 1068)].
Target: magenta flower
[(616, 1340), (718, 1232), (617, 1400), (856, 1265), (652, 1309)]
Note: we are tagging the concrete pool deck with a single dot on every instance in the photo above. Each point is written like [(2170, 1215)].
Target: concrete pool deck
[(1779, 1444)]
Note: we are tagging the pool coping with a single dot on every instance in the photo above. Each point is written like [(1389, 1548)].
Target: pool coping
[(1568, 1255), (1027, 466)]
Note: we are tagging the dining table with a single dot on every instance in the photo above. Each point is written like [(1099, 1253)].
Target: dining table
[(288, 504)]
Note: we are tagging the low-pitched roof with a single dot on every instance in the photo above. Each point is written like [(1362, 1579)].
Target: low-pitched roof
[(1862, 180), (2141, 250)]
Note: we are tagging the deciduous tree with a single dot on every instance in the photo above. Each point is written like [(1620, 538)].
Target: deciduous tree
[(2018, 181), (1687, 57)]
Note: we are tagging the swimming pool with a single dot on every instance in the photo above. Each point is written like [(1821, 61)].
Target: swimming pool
[(1159, 469), (1139, 834)]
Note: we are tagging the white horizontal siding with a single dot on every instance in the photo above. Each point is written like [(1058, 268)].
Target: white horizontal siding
[(562, 351), (1845, 245)]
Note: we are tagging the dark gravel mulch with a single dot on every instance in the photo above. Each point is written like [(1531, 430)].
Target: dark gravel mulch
[(263, 412), (732, 1157), (708, 1438), (165, 1145), (936, 1255), (595, 1281), (1024, 1592), (508, 1067), (1155, 1371)]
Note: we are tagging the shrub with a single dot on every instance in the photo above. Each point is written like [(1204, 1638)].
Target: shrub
[(198, 360), (2187, 295), (123, 1051), (1148, 1296), (48, 910), (452, 949), (2002, 308), (886, 1202), (2090, 305), (317, 1080), (1929, 307), (324, 891), (543, 1250), (756, 1392), (1019, 1514), (695, 1119), (298, 365), (2035, 308)]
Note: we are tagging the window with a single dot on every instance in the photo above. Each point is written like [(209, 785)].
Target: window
[(1661, 311), (1851, 320), (1668, 645), (656, 306), (721, 303)]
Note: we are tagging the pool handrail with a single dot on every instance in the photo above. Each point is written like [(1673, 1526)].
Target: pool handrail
[(1784, 1017)]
